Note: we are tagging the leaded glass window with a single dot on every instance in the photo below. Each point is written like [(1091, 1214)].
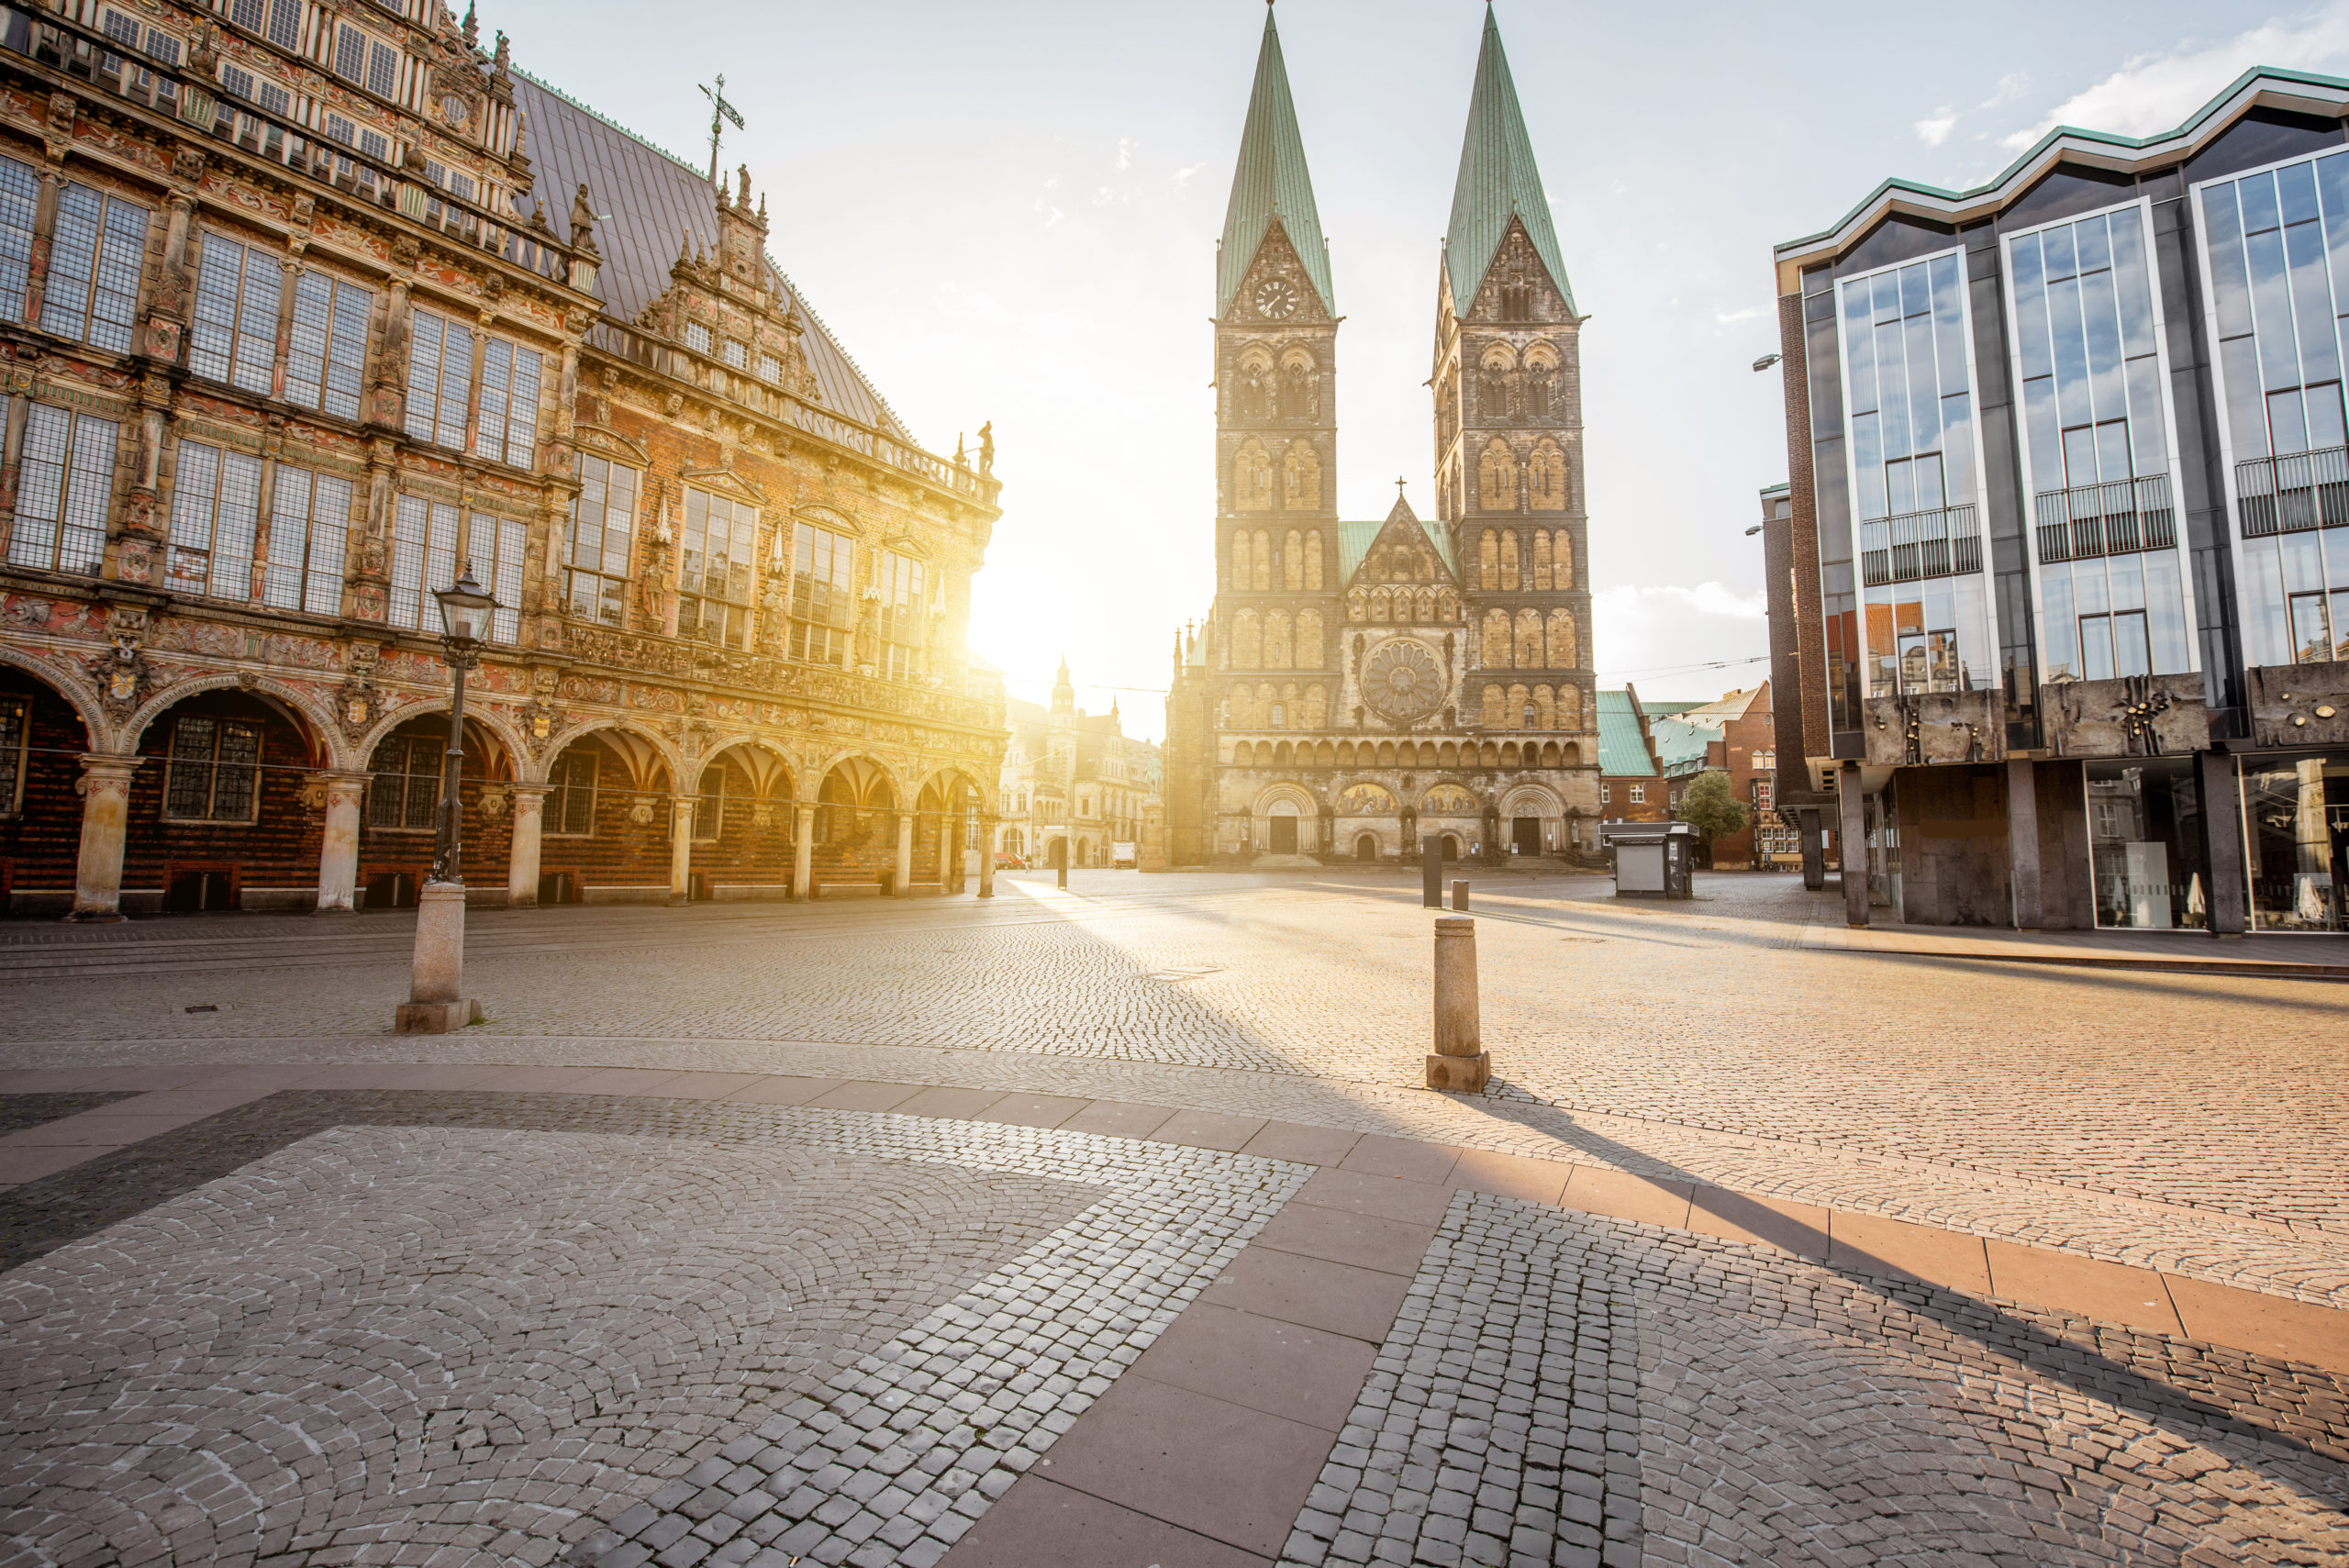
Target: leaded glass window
[(95, 257), (234, 335), (509, 403), (326, 354), (904, 615), (714, 603), (216, 510), (66, 480), (823, 587), (19, 201), (405, 789), (696, 337), (495, 546), (603, 523), (16, 747), (439, 379), (424, 558), (571, 805), (309, 530), (214, 771)]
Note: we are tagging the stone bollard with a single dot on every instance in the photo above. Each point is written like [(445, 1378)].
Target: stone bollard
[(1459, 1063), (1459, 898), (437, 1003)]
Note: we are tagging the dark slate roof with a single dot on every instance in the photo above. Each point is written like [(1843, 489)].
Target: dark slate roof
[(1498, 181), (655, 201), (1270, 183)]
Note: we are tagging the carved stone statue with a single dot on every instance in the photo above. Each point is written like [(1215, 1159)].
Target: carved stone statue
[(582, 222), (987, 448), (743, 199)]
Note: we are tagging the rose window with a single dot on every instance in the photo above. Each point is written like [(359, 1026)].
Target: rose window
[(1402, 681)]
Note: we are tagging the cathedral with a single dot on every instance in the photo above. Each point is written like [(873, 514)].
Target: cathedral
[(1360, 686)]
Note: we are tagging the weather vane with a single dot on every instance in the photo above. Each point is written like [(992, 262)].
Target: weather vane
[(720, 112)]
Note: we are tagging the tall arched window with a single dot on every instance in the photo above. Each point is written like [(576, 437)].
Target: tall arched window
[(1268, 707), (1497, 477), (1239, 557), (1317, 715), (1495, 701), (1309, 641), (1541, 554), (1570, 709), (1527, 653), (1511, 562), (1489, 559), (1313, 561), (1545, 708), (1247, 641), (1495, 649), (1382, 604), (1492, 397), (1260, 560), (1252, 478), (1293, 563), (1547, 473), (1537, 393), (1276, 643), (1562, 559), (1255, 397), (1564, 654), (1301, 478), (1296, 392)]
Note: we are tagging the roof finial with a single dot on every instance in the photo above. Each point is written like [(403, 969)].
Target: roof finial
[(1399, 483)]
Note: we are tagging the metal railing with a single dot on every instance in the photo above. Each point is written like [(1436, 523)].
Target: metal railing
[(2293, 493), (2118, 518), (1944, 542)]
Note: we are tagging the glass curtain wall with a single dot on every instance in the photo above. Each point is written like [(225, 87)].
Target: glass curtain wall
[(1909, 404), (2295, 830), (2279, 272), (2112, 600)]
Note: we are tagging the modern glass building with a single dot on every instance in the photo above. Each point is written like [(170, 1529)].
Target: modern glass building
[(2067, 553)]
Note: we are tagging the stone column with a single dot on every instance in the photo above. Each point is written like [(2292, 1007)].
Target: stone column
[(522, 860), (338, 850), (1814, 853), (2022, 844), (951, 853), (681, 849), (1855, 845), (1459, 1061), (803, 851), (2215, 787), (105, 789), (988, 830), (905, 854)]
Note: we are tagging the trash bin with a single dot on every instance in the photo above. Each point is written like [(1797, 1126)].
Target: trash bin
[(1652, 860)]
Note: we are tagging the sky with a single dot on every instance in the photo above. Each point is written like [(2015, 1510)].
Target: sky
[(1009, 212)]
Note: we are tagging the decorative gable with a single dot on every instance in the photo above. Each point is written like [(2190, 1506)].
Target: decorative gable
[(1402, 553)]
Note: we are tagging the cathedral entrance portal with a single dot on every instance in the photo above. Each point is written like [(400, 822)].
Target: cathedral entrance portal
[(1527, 833), (1450, 846), (1367, 849), (1284, 830)]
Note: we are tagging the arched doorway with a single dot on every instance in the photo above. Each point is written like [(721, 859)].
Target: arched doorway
[(1056, 856), (1367, 849), (221, 812), (742, 826), (1281, 828), (398, 823), (855, 841), (42, 737), (1450, 846)]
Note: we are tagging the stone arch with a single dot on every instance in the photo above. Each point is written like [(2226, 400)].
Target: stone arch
[(1509, 754), (327, 744), (1382, 604), (1570, 710), (1541, 559), (647, 744), (1313, 561), (1293, 561), (1493, 700), (1497, 356), (1386, 753), (941, 779), (1512, 560), (1278, 649), (1317, 707), (764, 760), (1531, 800), (1247, 641), (1243, 755), (878, 785), (1489, 559), (1286, 793), (1324, 755), (1260, 559), (1562, 559), (1240, 575), (1309, 651), (75, 695), (1545, 708), (1358, 606), (1447, 605), (1496, 652)]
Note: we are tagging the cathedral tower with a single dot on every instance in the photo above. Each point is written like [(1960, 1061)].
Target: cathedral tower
[(1508, 411)]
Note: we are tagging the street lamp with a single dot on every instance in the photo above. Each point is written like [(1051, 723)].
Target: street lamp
[(437, 1003), (465, 611)]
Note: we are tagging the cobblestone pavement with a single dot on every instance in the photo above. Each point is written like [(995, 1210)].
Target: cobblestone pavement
[(2186, 1122), (411, 1328), (1565, 1389)]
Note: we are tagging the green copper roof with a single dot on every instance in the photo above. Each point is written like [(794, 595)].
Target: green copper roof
[(1497, 180), (1355, 538), (1271, 182), (1622, 750)]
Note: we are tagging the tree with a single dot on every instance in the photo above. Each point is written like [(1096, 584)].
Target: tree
[(1710, 807)]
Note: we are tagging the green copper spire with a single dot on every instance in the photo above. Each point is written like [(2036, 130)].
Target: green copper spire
[(1271, 182), (1497, 180)]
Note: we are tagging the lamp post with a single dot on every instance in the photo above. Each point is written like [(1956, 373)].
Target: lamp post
[(437, 1003)]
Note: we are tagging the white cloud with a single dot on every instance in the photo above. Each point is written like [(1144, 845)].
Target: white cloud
[(1184, 175), (1933, 132), (1677, 641), (1733, 317), (1125, 152), (2013, 86), (2155, 92)]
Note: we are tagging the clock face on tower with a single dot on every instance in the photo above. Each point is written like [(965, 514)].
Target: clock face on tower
[(1277, 297)]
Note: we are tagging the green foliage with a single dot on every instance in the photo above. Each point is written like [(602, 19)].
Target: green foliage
[(1710, 807)]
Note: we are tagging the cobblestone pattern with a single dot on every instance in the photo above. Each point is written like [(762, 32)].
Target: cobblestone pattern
[(483, 1324), (2209, 1091), (18, 1112), (1499, 1425), (1788, 1413)]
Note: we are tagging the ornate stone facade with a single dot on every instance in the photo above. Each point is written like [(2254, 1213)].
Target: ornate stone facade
[(288, 341), (1360, 686)]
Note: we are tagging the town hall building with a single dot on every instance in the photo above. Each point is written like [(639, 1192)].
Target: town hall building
[(1360, 685)]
